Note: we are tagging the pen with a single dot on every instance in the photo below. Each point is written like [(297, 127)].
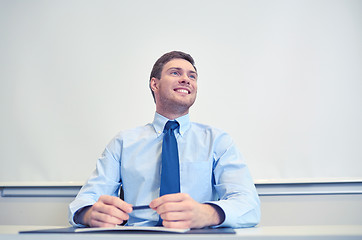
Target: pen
[(140, 207)]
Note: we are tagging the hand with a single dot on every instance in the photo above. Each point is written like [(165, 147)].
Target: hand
[(179, 210), (108, 211)]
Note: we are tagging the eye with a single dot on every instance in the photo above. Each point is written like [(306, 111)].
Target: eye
[(193, 76), (175, 73)]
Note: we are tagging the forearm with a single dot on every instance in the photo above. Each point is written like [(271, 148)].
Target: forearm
[(99, 183), (235, 188)]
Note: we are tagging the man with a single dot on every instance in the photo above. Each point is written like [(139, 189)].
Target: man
[(215, 185)]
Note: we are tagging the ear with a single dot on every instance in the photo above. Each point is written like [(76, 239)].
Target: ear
[(154, 84)]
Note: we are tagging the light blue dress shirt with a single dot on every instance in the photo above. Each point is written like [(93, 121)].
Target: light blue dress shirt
[(212, 170)]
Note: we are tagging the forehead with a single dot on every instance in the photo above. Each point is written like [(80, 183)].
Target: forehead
[(179, 63)]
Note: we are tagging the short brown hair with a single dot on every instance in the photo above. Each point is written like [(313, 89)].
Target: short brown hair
[(158, 66)]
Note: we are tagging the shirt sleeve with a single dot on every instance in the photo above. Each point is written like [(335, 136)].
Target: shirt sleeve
[(238, 197), (105, 180)]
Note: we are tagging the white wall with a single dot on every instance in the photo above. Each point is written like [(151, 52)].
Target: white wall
[(282, 77)]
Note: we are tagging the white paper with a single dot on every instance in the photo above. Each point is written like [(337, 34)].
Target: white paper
[(133, 228)]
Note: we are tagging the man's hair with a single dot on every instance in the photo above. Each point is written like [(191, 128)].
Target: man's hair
[(158, 66)]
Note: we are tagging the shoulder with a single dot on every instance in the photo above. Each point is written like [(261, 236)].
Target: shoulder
[(126, 138), (200, 127), (136, 132), (221, 143), (133, 134), (217, 134)]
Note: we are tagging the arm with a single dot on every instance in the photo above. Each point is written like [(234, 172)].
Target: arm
[(103, 181), (238, 197)]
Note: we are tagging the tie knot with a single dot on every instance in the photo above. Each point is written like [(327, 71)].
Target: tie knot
[(171, 125)]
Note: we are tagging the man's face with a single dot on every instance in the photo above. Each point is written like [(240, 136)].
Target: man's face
[(177, 88)]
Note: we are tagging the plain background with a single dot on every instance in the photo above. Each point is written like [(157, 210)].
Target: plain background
[(284, 78)]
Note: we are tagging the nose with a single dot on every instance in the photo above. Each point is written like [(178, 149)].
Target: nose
[(184, 79)]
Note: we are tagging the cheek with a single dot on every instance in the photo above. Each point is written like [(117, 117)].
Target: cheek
[(195, 86), (166, 84), (165, 89)]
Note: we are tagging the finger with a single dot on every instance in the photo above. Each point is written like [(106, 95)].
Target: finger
[(177, 224), (173, 207), (176, 197), (110, 210), (97, 223), (98, 219), (176, 216), (117, 202)]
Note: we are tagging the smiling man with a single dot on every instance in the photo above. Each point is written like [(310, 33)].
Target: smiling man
[(175, 89), (215, 186)]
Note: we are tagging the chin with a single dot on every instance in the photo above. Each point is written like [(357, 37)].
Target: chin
[(186, 102), (180, 107), (177, 104)]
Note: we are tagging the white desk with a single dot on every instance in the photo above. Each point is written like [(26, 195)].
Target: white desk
[(341, 232)]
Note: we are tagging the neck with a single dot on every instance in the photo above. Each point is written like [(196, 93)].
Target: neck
[(172, 115)]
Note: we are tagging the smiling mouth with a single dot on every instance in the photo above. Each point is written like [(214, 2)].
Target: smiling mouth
[(182, 90)]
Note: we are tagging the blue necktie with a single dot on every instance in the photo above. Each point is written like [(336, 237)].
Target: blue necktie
[(170, 173)]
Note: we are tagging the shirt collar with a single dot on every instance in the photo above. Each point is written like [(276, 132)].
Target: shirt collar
[(160, 121)]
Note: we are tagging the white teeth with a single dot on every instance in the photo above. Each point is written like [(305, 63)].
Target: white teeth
[(182, 91)]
